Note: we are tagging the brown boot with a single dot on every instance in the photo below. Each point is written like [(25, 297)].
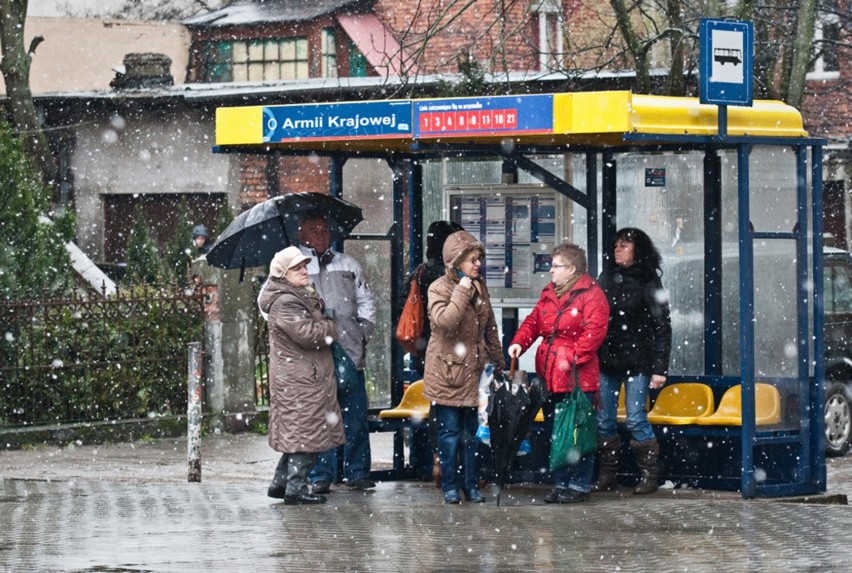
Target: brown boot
[(646, 453), (609, 449), (436, 470)]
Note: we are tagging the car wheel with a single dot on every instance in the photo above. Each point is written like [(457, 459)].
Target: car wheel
[(838, 419)]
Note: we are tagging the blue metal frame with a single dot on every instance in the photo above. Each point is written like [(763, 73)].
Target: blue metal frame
[(817, 390), (808, 471), (746, 275)]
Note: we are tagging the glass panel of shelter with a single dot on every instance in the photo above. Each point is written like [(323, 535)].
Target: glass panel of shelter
[(368, 183)]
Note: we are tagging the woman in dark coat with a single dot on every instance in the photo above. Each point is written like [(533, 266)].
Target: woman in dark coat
[(571, 316), (304, 417), (426, 273), (464, 339), (635, 353)]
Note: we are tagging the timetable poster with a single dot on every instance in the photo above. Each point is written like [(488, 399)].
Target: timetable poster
[(511, 227)]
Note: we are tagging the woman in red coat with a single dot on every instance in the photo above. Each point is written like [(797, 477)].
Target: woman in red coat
[(571, 316)]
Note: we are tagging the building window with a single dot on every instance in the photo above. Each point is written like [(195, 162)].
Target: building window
[(255, 60), (826, 41), (550, 41), (329, 54), (217, 62), (357, 62)]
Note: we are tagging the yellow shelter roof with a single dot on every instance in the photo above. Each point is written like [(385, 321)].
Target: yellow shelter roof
[(582, 118)]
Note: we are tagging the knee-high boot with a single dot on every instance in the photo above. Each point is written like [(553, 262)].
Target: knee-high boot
[(646, 452), (609, 449)]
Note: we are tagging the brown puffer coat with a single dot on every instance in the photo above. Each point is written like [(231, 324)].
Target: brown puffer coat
[(303, 411), (464, 332)]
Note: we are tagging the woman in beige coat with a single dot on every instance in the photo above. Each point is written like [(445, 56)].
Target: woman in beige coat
[(304, 417), (464, 339)]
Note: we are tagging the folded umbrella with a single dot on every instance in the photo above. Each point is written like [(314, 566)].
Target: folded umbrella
[(513, 407)]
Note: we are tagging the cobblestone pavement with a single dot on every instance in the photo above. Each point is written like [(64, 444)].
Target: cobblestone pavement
[(127, 507)]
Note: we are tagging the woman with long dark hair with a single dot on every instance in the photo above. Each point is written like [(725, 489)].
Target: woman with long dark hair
[(635, 353)]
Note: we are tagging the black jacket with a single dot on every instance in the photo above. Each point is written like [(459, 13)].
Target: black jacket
[(429, 271), (639, 338)]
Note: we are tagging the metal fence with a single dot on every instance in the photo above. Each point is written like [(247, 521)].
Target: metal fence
[(261, 356), (92, 358)]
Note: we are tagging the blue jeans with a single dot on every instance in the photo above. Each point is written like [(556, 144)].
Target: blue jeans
[(573, 476), (458, 448), (636, 388), (356, 451)]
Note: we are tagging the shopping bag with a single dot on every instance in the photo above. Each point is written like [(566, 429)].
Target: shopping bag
[(486, 381), (409, 329), (344, 369), (575, 427)]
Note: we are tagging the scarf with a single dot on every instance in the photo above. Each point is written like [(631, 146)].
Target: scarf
[(560, 291)]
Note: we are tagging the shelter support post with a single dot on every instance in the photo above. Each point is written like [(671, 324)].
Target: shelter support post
[(713, 327), (608, 205)]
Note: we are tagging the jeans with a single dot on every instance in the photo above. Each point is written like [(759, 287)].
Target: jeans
[(458, 448), (356, 451), (576, 476), (636, 388)]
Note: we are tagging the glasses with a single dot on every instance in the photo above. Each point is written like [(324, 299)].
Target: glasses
[(559, 266), (474, 260)]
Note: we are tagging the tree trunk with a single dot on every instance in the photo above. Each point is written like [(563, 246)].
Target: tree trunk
[(15, 67), (676, 82), (801, 53), (640, 54)]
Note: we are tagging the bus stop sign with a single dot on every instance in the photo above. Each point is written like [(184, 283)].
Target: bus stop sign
[(726, 62)]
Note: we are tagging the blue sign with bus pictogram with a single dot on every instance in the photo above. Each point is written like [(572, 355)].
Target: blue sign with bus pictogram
[(726, 62)]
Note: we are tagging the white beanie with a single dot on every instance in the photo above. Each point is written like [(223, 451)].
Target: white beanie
[(285, 260)]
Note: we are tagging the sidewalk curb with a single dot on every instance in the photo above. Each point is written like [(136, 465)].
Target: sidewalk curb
[(123, 430)]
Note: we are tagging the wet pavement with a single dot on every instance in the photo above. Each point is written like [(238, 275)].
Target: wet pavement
[(128, 507)]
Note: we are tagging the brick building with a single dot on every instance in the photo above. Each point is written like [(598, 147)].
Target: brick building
[(251, 42)]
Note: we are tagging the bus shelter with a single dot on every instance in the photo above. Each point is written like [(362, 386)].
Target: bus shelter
[(737, 217)]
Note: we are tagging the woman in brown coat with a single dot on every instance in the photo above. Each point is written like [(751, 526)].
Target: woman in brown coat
[(464, 339), (304, 417)]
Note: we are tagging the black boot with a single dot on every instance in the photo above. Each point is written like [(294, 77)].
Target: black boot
[(609, 450), (646, 453), (279, 481)]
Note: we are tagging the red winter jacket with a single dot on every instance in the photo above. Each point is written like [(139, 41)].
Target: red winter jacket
[(572, 327)]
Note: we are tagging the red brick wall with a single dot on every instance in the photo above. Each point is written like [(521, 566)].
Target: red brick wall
[(295, 174), (501, 44), (827, 111)]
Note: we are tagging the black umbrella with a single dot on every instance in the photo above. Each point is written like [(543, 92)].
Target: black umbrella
[(254, 236), (512, 408)]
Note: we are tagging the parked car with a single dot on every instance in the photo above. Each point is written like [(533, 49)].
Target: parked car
[(838, 351)]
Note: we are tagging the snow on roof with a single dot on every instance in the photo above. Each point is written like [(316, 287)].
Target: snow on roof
[(244, 12), (329, 89)]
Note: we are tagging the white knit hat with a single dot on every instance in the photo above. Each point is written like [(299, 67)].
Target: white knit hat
[(285, 260)]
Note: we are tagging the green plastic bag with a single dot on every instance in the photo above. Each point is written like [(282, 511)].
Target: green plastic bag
[(575, 427)]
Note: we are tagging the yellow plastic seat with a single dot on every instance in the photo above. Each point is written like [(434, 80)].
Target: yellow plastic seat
[(413, 405), (621, 410), (767, 407), (682, 404)]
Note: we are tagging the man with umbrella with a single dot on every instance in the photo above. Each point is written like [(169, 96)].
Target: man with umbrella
[(339, 281)]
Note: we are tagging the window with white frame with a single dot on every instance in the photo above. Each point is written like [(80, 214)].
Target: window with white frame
[(550, 40), (329, 53), (826, 63), (255, 60)]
